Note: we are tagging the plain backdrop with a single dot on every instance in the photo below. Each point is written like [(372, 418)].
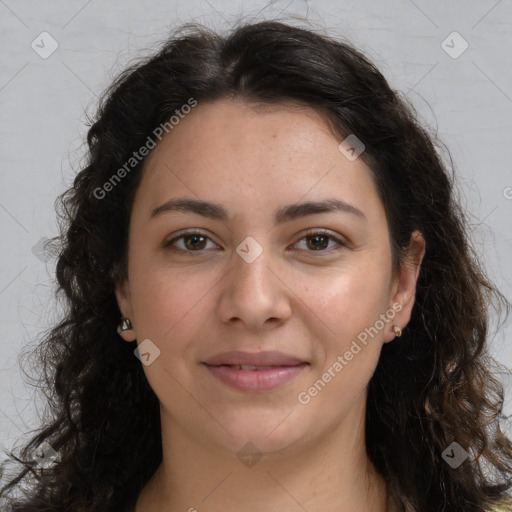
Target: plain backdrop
[(451, 59)]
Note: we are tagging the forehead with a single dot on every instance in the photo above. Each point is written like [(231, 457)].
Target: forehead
[(255, 156), (284, 128)]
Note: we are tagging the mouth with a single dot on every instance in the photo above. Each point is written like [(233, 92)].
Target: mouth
[(255, 378)]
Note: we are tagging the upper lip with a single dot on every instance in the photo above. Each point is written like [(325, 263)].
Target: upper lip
[(254, 359)]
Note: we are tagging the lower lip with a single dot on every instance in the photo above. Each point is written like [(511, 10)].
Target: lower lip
[(255, 380)]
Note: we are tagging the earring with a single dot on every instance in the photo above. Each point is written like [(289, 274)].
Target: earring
[(124, 325), (398, 331)]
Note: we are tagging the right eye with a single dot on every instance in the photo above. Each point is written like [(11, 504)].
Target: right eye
[(194, 241)]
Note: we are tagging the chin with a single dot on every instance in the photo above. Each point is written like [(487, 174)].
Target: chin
[(270, 432)]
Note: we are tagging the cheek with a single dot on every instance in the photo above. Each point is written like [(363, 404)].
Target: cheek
[(349, 300), (349, 305), (164, 299), (171, 310)]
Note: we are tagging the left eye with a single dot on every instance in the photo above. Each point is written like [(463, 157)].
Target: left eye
[(316, 238), (195, 241)]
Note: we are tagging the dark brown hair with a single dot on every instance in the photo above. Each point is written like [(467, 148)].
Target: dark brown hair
[(432, 387)]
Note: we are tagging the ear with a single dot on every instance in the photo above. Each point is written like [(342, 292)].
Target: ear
[(404, 286), (123, 297)]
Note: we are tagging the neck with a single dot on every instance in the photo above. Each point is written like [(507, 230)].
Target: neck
[(333, 473)]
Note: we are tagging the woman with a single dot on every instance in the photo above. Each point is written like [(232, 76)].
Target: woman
[(273, 301)]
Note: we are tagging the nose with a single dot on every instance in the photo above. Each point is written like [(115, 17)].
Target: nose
[(254, 295)]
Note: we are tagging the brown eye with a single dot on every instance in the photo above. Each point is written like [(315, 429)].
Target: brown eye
[(318, 241), (192, 242)]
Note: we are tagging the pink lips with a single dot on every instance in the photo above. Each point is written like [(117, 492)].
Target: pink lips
[(261, 371)]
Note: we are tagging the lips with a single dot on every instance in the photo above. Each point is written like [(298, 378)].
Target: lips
[(247, 371)]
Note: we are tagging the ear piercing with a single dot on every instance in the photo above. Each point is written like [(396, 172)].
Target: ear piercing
[(124, 325)]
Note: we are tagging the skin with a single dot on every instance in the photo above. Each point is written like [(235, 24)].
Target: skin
[(193, 305)]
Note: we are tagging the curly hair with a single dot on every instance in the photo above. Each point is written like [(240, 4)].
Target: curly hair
[(430, 389)]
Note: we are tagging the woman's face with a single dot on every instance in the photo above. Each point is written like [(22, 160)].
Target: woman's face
[(264, 277)]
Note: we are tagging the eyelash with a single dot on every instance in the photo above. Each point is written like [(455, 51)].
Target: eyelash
[(310, 234)]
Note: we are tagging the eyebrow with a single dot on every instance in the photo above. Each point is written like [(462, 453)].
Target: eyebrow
[(282, 215)]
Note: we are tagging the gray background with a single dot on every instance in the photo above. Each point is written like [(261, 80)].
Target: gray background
[(468, 99)]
